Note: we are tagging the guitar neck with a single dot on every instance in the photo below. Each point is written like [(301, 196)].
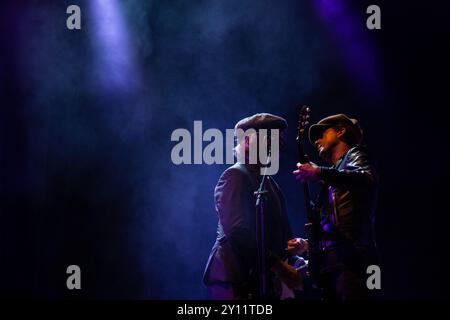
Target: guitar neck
[(303, 158), (303, 122)]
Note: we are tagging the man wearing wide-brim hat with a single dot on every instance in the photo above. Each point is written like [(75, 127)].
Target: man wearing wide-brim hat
[(347, 206)]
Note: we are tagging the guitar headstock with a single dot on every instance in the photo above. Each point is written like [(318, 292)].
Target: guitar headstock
[(303, 121)]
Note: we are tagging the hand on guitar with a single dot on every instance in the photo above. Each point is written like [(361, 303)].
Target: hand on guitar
[(307, 172), (297, 246)]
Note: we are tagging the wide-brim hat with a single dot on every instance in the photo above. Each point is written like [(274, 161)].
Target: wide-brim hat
[(316, 130)]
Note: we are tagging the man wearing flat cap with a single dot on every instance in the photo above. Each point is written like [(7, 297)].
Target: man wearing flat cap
[(346, 206), (232, 268)]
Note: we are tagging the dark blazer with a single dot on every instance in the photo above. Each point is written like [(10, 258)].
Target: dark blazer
[(233, 258)]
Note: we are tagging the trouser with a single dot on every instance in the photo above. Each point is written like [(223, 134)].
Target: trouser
[(344, 275), (221, 291), (238, 291), (342, 285)]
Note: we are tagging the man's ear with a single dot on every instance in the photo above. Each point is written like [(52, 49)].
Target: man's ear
[(246, 142), (267, 140), (341, 132)]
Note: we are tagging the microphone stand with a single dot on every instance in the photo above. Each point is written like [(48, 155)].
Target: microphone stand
[(261, 197)]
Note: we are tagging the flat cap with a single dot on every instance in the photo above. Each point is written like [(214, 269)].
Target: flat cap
[(261, 121), (354, 130)]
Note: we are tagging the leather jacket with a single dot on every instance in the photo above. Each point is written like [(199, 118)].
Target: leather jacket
[(348, 201)]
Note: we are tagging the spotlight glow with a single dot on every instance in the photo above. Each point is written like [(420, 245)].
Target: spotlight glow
[(114, 56)]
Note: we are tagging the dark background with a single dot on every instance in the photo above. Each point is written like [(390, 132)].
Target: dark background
[(85, 171)]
